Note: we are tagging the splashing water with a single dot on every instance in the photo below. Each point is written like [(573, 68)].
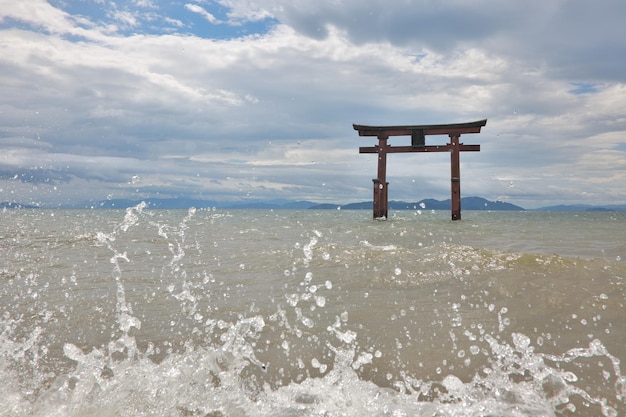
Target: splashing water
[(190, 336)]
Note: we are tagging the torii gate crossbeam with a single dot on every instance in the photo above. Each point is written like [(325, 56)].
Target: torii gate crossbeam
[(418, 134)]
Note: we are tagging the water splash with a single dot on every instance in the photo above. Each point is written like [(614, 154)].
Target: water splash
[(297, 360)]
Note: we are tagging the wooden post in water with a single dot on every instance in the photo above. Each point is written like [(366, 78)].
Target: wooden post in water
[(380, 183), (455, 177), (418, 144)]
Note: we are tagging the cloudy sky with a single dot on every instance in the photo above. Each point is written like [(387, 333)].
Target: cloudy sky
[(237, 100)]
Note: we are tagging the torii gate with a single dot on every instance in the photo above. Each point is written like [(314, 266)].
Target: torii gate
[(418, 144)]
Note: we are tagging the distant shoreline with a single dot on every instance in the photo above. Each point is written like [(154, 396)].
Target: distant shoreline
[(467, 204)]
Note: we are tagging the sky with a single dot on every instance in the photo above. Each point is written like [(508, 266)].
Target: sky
[(242, 100)]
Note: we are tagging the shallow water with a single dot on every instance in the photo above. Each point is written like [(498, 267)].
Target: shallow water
[(322, 313)]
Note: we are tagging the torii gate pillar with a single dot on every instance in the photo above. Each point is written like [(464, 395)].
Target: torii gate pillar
[(381, 185), (455, 177), (418, 134)]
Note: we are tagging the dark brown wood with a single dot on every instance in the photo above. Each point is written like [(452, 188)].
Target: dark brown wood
[(380, 184), (455, 177), (407, 130), (380, 199), (428, 148), (418, 133)]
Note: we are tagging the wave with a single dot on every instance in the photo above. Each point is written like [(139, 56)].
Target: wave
[(313, 324), (229, 380)]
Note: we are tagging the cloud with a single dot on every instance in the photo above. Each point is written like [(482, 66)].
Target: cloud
[(560, 33), (145, 3), (250, 10), (202, 12), (87, 103)]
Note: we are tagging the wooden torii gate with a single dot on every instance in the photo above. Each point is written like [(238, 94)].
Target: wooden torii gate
[(418, 135)]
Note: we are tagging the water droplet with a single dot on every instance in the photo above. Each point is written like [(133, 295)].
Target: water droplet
[(320, 300), (521, 341), (292, 299), (344, 316)]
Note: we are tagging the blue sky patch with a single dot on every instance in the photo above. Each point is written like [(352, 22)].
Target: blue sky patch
[(584, 88), (203, 19)]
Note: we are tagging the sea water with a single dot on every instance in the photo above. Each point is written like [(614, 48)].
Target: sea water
[(217, 313)]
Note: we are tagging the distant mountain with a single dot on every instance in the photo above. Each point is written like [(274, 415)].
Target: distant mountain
[(183, 203), (467, 203), (478, 203), (561, 207), (327, 206), (278, 205), (584, 207), (156, 203), (12, 205)]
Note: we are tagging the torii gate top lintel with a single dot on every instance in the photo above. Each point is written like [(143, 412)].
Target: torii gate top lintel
[(404, 130), (418, 144)]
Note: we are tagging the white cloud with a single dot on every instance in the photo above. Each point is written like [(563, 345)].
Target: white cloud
[(249, 10), (174, 22), (145, 3), (125, 18), (202, 12), (273, 111)]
